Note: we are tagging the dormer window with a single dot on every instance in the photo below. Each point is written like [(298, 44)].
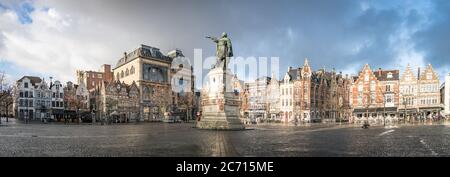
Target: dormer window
[(389, 75)]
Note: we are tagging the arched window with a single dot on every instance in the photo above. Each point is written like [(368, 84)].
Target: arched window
[(127, 72), (121, 74), (132, 70), (118, 76), (146, 93)]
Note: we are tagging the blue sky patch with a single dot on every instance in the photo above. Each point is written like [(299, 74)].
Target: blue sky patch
[(23, 11)]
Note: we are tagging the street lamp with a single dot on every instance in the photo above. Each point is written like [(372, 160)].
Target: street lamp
[(384, 110), (404, 111), (384, 107), (368, 100), (26, 112)]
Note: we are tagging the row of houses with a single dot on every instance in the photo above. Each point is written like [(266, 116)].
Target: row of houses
[(140, 87), (372, 95), (34, 98), (146, 84)]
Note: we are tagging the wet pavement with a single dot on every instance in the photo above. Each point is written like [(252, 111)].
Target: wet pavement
[(181, 139)]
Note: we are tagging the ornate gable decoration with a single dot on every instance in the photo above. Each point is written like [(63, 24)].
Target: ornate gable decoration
[(408, 75), (429, 74)]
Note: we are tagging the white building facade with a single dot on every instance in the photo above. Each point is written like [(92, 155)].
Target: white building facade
[(257, 99), (428, 97), (31, 99), (447, 96), (57, 100), (287, 97)]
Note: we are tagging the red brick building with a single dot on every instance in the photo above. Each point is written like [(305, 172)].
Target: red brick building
[(374, 94), (93, 79)]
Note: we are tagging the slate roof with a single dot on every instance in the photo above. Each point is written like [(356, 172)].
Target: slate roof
[(33, 79), (143, 51), (382, 75)]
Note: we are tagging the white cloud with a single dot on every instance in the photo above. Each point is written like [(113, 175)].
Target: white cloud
[(56, 43)]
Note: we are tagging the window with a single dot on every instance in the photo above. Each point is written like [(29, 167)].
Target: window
[(155, 73), (360, 87), (121, 74), (180, 82), (100, 76), (429, 76), (132, 70), (26, 94), (21, 94), (389, 99), (61, 95), (146, 93), (118, 76), (26, 85), (127, 72), (388, 88), (366, 77)]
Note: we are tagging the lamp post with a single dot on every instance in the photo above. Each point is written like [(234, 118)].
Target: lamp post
[(384, 110), (26, 112), (384, 107), (368, 100), (404, 111)]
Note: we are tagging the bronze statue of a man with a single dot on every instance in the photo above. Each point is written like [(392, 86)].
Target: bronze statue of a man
[(223, 50)]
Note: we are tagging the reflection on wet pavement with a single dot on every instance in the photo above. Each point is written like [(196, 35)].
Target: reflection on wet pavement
[(158, 139)]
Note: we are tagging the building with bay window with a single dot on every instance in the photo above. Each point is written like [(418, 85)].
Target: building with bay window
[(375, 95), (154, 75)]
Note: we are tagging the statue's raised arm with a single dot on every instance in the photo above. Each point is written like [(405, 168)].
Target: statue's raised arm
[(212, 38)]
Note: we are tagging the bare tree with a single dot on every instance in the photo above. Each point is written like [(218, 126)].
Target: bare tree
[(161, 98), (6, 99)]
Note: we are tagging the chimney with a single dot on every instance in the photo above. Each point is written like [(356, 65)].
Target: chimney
[(107, 73), (51, 81), (379, 71), (418, 72), (289, 68)]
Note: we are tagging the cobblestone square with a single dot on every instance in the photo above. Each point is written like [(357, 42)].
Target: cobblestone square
[(181, 139)]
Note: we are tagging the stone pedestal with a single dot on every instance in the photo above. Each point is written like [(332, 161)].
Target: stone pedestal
[(220, 105)]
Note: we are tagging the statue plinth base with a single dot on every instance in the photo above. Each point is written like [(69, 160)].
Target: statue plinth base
[(220, 110)]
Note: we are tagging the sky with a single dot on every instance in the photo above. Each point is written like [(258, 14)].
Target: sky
[(56, 37)]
